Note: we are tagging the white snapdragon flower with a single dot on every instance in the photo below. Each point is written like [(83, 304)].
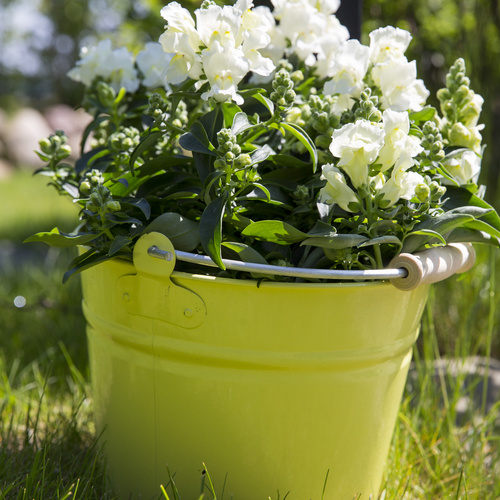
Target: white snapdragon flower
[(348, 68), (224, 70), (393, 73), (401, 90), (181, 39), (467, 137), (336, 190), (388, 43), (357, 145), (464, 166), (115, 66), (215, 22), (402, 184), (152, 63), (333, 36), (221, 48), (397, 139), (275, 49), (311, 29)]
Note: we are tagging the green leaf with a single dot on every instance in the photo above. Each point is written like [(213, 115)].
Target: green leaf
[(240, 123), (139, 203), (322, 230), (163, 162), (337, 242), (146, 143), (182, 232), (460, 197), (261, 154), (435, 225), (229, 110), (466, 235), (289, 161), (300, 134), (258, 94), (382, 240), (197, 140), (85, 261), (424, 115), (212, 123), (211, 228), (476, 212), (237, 220), (482, 226), (246, 253), (55, 238), (118, 243), (120, 96), (90, 128), (86, 159), (416, 240), (260, 188), (122, 218), (274, 231)]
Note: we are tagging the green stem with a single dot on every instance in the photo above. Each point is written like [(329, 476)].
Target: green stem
[(107, 232), (376, 248)]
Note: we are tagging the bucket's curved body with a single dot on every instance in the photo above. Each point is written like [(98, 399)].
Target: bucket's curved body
[(273, 386)]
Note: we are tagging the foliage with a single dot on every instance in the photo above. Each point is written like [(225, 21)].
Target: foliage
[(444, 30), (298, 159)]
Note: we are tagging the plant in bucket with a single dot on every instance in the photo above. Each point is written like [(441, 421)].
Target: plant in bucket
[(264, 203)]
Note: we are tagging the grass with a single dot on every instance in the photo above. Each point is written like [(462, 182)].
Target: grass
[(48, 445), (21, 218)]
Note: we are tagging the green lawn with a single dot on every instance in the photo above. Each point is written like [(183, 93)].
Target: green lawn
[(48, 446)]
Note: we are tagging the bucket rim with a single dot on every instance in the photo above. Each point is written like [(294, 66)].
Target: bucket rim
[(256, 283)]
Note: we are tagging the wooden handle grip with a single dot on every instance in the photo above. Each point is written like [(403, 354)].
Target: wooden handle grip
[(433, 265)]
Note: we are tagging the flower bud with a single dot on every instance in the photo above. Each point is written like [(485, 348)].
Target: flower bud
[(436, 190), (85, 187), (96, 199), (106, 94), (301, 193), (91, 207), (323, 141), (45, 146), (65, 150), (297, 76), (460, 135), (243, 160), (111, 206), (422, 192), (220, 164)]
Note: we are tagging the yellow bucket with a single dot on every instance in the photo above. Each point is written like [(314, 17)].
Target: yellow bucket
[(275, 387)]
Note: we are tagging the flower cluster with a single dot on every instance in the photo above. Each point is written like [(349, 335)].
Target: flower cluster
[(118, 67), (220, 48), (271, 137)]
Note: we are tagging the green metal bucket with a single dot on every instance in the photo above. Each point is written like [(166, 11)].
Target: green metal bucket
[(272, 386)]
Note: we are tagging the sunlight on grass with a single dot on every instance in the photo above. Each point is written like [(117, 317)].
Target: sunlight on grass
[(31, 206)]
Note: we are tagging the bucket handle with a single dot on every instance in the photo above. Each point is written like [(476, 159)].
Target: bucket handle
[(406, 271)]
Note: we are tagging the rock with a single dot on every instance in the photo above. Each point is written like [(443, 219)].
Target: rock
[(22, 132), (471, 373), (6, 169)]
